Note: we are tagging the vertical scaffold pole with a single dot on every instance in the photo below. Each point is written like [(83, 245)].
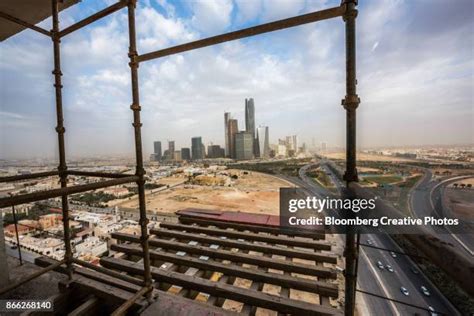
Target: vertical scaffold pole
[(350, 103), (62, 168), (140, 171)]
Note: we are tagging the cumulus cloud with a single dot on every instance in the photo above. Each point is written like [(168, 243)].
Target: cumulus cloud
[(211, 16), (412, 84)]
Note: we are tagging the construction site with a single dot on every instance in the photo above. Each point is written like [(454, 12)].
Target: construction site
[(229, 258)]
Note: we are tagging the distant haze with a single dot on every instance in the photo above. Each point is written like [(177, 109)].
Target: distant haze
[(415, 77)]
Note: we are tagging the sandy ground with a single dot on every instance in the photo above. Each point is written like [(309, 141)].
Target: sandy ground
[(461, 202), (366, 157), (252, 192)]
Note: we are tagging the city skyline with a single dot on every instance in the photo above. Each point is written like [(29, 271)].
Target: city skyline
[(411, 90)]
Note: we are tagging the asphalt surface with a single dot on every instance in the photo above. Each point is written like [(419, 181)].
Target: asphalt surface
[(426, 200), (381, 281)]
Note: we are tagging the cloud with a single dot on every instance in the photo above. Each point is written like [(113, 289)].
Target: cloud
[(211, 16), (374, 47), (412, 87)]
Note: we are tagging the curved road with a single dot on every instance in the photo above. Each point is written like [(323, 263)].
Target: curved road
[(425, 199), (378, 281)]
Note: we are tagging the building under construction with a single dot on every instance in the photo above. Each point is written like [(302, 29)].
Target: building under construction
[(204, 263)]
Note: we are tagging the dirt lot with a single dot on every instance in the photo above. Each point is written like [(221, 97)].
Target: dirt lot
[(252, 192), (366, 157), (461, 202)]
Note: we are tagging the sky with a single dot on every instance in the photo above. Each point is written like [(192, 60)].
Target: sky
[(415, 71)]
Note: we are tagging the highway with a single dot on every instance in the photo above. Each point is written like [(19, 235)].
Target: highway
[(425, 199), (380, 281)]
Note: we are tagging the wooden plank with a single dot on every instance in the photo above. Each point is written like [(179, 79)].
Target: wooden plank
[(279, 240), (224, 290), (252, 228), (167, 304), (247, 245), (255, 275), (235, 257), (110, 297), (87, 308)]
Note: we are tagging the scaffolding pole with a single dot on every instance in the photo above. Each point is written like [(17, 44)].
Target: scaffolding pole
[(15, 220), (62, 168), (140, 171), (350, 103)]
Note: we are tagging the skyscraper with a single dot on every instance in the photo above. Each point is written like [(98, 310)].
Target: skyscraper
[(250, 117), (169, 153), (186, 154), (227, 117), (250, 123), (197, 148), (263, 142), (233, 129), (171, 146), (244, 145), (157, 150)]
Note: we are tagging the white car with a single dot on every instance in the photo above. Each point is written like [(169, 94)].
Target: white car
[(432, 311), (369, 241), (425, 291), (380, 265), (389, 268), (393, 254), (404, 291)]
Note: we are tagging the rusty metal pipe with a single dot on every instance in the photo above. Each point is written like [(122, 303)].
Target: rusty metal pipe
[(17, 236), (37, 196), (122, 310), (140, 171), (251, 31), (350, 103), (109, 272), (97, 174), (29, 176), (62, 168), (31, 277), (96, 16)]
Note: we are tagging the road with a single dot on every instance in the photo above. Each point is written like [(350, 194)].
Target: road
[(425, 199), (378, 281)]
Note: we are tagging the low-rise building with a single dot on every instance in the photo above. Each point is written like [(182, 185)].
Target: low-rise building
[(92, 246)]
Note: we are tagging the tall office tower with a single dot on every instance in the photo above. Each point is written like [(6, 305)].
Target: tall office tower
[(196, 148), (263, 142), (177, 155), (233, 129), (323, 146), (171, 146), (250, 116), (157, 150), (295, 142), (186, 154), (244, 146), (169, 154), (227, 117)]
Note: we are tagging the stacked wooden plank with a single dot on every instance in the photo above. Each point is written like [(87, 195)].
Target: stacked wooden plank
[(245, 268)]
